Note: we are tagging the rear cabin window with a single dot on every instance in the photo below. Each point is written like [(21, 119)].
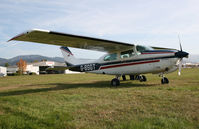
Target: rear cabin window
[(110, 57), (127, 54)]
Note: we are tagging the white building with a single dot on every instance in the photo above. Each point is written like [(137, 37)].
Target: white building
[(12, 69), (191, 65), (32, 69), (43, 65), (3, 71)]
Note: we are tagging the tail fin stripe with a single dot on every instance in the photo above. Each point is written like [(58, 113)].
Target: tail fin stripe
[(66, 50)]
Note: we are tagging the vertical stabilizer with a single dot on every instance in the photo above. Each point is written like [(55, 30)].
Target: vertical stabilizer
[(69, 58)]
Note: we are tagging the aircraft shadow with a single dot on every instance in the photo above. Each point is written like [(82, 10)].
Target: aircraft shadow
[(63, 86)]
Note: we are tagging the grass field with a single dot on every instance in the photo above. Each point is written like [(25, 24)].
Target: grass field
[(86, 101)]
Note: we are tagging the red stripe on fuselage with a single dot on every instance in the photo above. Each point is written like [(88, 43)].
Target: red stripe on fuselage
[(135, 63)]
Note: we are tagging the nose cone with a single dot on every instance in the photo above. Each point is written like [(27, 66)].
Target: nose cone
[(181, 54)]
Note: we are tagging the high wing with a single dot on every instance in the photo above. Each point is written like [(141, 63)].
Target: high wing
[(69, 40)]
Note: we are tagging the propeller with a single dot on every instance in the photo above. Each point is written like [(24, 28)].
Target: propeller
[(180, 61), (180, 67), (180, 42)]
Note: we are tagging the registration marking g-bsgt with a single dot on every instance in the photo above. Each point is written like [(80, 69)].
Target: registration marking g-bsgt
[(87, 67)]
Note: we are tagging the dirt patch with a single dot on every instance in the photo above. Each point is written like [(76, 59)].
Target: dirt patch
[(8, 87)]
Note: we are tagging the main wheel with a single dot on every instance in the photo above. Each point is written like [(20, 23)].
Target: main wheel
[(165, 80), (115, 82), (143, 78)]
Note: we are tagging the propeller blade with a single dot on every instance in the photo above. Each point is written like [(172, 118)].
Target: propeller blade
[(180, 67), (180, 43)]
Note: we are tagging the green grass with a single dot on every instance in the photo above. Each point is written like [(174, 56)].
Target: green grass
[(86, 101)]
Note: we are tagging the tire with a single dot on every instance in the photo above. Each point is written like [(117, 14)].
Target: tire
[(143, 78), (115, 82), (165, 80), (162, 81)]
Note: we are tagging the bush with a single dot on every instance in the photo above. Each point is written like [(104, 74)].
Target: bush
[(32, 73)]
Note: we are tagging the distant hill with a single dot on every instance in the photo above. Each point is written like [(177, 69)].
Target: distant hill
[(29, 58), (3, 61)]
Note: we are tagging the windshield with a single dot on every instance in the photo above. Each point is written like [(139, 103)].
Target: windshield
[(143, 48)]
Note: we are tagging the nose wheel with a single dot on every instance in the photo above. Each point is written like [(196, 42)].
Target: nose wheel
[(165, 80)]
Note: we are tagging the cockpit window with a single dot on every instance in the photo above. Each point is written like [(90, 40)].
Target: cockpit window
[(127, 54), (143, 48), (110, 57)]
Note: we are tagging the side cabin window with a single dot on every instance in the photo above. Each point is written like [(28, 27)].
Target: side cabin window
[(110, 57), (127, 54)]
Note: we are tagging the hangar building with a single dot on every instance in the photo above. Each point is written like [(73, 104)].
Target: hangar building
[(3, 71), (41, 68)]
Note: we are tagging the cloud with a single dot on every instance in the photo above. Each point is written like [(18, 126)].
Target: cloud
[(124, 17), (140, 21)]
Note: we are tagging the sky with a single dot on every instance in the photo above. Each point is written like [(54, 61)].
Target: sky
[(146, 22)]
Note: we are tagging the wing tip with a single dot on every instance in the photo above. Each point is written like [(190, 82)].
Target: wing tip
[(19, 35)]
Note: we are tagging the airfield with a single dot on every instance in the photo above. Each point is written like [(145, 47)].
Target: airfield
[(86, 101)]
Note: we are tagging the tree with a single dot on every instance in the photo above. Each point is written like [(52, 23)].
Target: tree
[(22, 66), (44, 60), (6, 64)]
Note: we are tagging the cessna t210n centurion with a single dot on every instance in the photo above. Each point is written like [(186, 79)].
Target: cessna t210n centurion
[(120, 59)]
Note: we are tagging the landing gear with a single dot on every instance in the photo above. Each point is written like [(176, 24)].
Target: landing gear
[(165, 80), (115, 81), (142, 78), (137, 77), (124, 77), (132, 77)]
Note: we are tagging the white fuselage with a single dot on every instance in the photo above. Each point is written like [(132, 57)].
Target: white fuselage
[(135, 61), (139, 64)]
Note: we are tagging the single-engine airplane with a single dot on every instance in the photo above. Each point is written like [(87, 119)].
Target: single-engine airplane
[(121, 58)]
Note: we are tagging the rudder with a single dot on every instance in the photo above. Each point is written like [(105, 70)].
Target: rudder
[(69, 58)]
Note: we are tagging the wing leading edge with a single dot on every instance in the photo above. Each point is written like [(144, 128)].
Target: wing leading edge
[(69, 40)]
